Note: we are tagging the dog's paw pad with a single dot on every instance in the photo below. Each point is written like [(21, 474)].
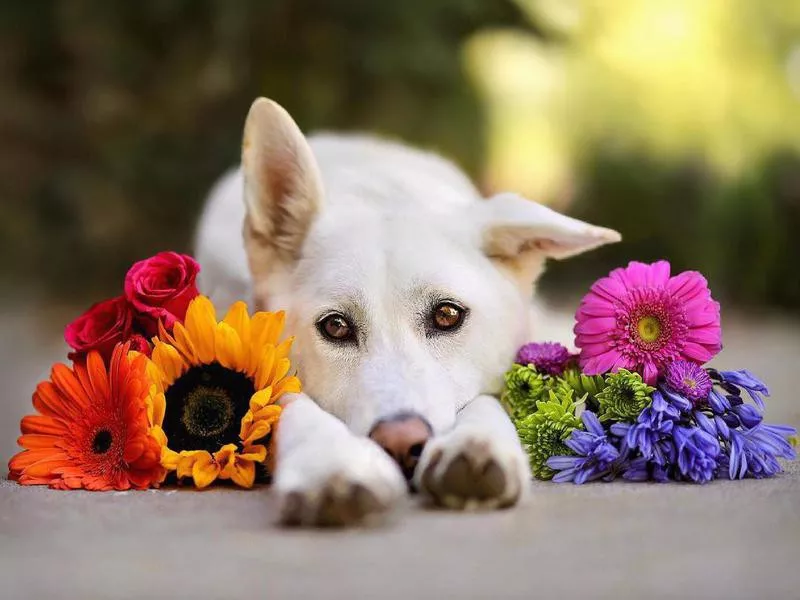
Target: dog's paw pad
[(471, 475), (337, 503)]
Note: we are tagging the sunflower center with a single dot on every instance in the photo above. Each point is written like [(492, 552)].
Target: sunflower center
[(649, 328), (101, 443), (207, 411), (205, 407)]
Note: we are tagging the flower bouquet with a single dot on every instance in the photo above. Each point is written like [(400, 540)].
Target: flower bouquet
[(158, 388), (638, 400)]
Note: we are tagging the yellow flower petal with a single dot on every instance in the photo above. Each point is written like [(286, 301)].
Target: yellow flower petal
[(281, 369), (169, 459), (257, 453), (243, 473), (169, 361), (184, 343), (229, 348), (287, 385), (187, 460), (204, 471), (264, 370), (261, 398), (238, 318), (158, 435), (269, 413), (201, 323), (257, 431), (283, 349)]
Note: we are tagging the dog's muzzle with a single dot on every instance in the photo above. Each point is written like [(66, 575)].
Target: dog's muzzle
[(403, 436)]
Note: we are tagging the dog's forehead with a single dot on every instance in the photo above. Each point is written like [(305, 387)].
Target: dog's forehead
[(396, 253)]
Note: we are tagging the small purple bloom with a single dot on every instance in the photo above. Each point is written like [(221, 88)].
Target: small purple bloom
[(675, 399), (718, 403), (755, 451), (689, 380), (640, 469), (596, 455), (651, 432), (698, 453), (748, 415), (547, 357), (749, 382)]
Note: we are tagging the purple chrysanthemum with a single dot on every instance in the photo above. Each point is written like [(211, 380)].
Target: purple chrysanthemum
[(596, 455), (688, 379), (547, 357)]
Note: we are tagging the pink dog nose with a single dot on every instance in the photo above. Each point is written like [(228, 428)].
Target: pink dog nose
[(403, 436)]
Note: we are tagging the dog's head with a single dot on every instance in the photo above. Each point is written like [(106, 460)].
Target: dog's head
[(408, 311)]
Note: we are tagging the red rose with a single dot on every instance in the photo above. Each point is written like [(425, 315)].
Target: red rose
[(100, 328), (160, 288)]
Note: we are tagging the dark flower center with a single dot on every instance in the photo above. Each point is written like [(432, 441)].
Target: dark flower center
[(205, 407), (101, 443)]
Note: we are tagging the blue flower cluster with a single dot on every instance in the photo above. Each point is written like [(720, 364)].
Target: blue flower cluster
[(689, 432)]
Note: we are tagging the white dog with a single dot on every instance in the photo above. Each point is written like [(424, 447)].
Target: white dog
[(408, 295)]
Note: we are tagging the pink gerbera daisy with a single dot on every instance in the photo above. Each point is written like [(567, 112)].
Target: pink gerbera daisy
[(639, 318)]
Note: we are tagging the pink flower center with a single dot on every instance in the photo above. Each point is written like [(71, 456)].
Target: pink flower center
[(650, 324)]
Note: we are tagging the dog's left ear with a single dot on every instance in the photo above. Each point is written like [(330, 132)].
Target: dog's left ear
[(513, 226)]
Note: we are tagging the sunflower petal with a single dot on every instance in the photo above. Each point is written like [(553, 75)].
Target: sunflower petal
[(261, 398), (244, 473), (204, 470), (168, 360), (200, 322), (258, 430), (257, 453), (229, 348), (264, 369), (287, 385), (238, 318), (184, 344)]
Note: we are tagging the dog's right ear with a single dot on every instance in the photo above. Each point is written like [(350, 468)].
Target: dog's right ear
[(283, 189)]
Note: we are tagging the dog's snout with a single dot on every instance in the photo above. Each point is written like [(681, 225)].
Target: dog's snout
[(403, 436)]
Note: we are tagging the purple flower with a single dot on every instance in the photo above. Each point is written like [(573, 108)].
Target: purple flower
[(547, 357), (640, 469), (688, 379), (698, 453), (746, 380), (755, 451), (596, 455), (651, 433)]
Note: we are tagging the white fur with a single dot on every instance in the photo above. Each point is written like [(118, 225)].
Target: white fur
[(381, 232)]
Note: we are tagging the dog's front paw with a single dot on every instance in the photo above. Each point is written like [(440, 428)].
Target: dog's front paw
[(347, 484), (472, 470)]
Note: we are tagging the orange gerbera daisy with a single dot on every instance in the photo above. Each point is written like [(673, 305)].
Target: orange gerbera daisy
[(92, 430), (214, 393)]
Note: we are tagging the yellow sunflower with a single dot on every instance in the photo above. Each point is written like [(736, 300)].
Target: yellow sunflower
[(213, 393)]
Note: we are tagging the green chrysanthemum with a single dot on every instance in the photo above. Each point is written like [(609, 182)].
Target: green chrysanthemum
[(586, 386), (524, 387), (544, 432), (625, 396)]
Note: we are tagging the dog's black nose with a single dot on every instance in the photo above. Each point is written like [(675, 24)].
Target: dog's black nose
[(403, 436)]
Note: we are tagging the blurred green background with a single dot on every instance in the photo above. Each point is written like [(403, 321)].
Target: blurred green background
[(675, 121)]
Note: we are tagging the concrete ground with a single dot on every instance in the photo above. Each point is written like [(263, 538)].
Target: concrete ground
[(723, 540)]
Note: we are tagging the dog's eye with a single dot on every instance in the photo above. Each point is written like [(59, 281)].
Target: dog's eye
[(336, 328), (447, 316)]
